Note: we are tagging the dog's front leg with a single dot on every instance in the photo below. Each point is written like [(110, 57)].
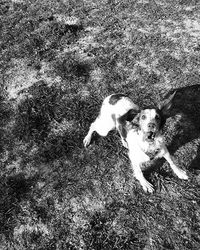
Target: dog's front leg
[(147, 186), (122, 133), (136, 164), (179, 172)]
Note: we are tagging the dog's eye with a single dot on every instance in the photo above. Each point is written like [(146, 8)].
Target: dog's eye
[(143, 117)]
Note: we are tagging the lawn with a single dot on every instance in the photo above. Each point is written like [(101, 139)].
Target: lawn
[(58, 61)]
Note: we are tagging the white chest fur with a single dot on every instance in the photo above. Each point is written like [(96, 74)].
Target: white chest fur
[(141, 149)]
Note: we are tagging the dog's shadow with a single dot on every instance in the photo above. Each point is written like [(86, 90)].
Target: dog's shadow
[(186, 105), (187, 101), (183, 128)]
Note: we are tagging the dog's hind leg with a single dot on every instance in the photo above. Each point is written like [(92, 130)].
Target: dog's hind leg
[(88, 137), (102, 125)]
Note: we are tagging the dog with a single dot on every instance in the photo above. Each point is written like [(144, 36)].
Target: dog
[(140, 132)]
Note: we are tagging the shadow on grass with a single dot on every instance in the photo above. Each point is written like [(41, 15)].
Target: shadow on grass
[(53, 120), (35, 112), (13, 189), (80, 113), (75, 70), (187, 102)]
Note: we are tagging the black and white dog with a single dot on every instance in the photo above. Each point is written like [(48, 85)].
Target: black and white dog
[(140, 131)]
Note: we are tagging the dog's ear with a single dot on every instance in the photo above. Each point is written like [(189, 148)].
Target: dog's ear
[(132, 114), (135, 120), (165, 105)]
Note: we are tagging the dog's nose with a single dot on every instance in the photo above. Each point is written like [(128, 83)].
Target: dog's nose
[(151, 125)]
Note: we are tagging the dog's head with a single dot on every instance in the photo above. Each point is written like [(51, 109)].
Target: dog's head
[(152, 120)]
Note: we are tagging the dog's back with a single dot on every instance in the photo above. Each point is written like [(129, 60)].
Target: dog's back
[(118, 105)]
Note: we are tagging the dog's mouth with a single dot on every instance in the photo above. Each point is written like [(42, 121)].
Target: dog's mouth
[(150, 136)]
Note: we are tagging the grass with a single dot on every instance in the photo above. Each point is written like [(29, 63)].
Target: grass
[(59, 59)]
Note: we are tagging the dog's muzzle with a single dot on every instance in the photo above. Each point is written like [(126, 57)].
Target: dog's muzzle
[(150, 136)]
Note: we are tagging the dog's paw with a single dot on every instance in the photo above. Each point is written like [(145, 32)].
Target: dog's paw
[(147, 187), (86, 141), (181, 174)]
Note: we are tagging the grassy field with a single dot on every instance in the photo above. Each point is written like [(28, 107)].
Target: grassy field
[(58, 60)]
